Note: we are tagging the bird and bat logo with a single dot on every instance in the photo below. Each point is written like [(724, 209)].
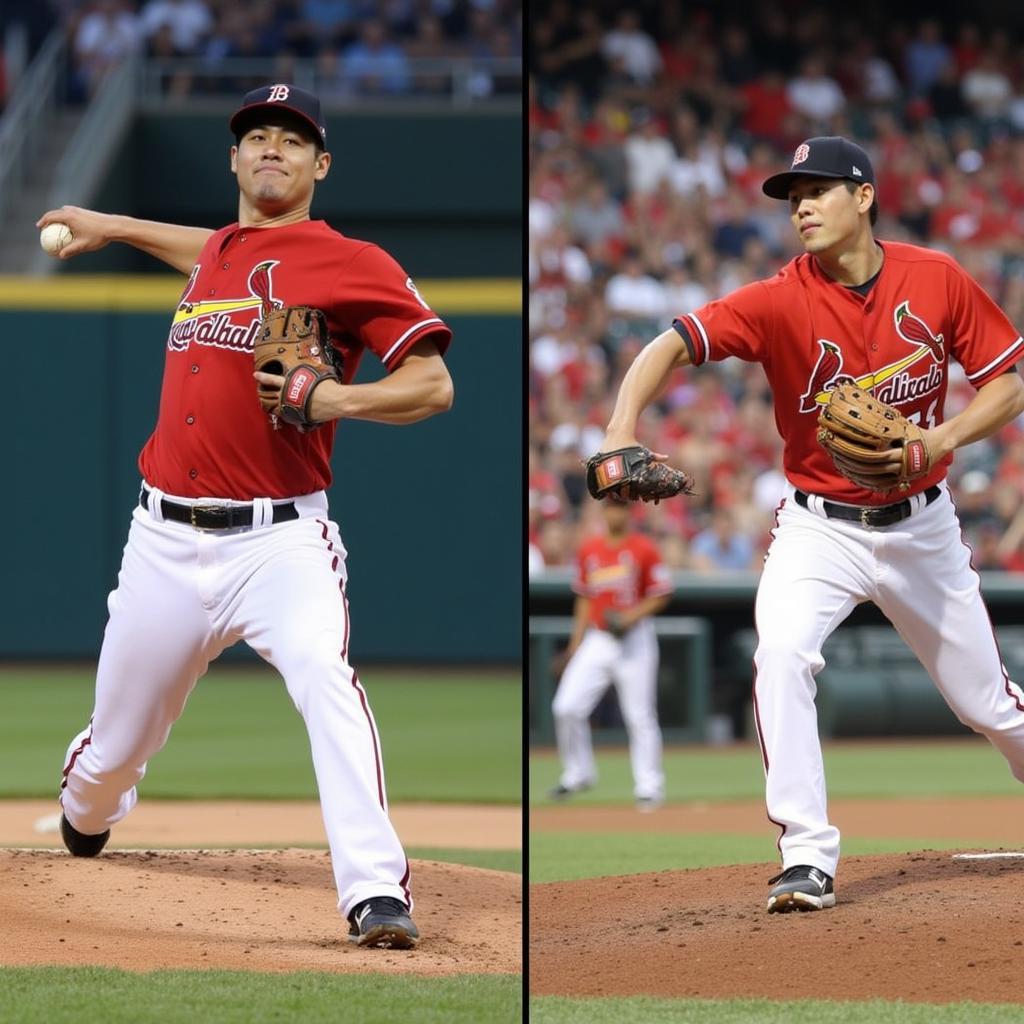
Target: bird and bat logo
[(893, 383)]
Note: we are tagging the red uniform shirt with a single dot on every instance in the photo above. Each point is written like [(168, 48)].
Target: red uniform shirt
[(809, 332), (618, 574), (212, 438)]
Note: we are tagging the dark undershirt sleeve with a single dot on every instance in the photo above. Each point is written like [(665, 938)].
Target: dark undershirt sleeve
[(687, 340)]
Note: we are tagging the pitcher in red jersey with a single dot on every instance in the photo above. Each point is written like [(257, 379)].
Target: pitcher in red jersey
[(232, 539), (889, 316), (620, 583)]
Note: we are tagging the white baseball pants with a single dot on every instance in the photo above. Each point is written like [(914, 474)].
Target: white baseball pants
[(182, 597), (631, 664), (919, 574)]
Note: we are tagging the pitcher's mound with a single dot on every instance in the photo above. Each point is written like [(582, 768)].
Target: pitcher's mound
[(264, 910), (912, 926)]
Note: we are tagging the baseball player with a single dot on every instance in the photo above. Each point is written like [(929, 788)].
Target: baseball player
[(889, 317), (231, 539), (620, 583)]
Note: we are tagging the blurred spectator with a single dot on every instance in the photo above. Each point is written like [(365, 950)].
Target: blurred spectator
[(986, 88), (429, 44), (596, 217), (765, 107), (649, 155), (815, 95), (373, 64), (107, 34), (945, 95), (188, 22), (628, 48), (633, 294), (720, 547), (926, 56)]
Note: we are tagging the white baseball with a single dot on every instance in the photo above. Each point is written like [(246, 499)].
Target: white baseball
[(54, 237)]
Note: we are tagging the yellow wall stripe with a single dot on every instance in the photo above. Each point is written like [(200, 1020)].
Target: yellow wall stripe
[(159, 294)]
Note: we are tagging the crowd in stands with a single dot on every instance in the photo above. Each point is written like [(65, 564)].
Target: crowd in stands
[(650, 132), (360, 47)]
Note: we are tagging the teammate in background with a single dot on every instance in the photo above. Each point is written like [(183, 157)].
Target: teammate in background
[(620, 584), (890, 316), (231, 539)]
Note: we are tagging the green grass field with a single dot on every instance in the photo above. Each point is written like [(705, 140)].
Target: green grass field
[(445, 738), (962, 767), (556, 1010), (450, 739), (69, 996), (958, 767)]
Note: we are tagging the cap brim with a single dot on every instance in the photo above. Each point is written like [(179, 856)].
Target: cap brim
[(777, 186), (241, 119)]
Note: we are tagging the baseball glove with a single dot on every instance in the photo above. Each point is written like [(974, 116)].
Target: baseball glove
[(614, 623), (293, 343), (634, 474), (860, 433)]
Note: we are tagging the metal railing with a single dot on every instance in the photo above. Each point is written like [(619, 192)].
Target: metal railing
[(94, 145), (28, 117), (455, 81)]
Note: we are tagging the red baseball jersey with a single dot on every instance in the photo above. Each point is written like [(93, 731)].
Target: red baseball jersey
[(811, 332), (618, 574), (212, 438)]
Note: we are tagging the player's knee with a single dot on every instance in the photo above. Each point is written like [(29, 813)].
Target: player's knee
[(778, 657), (564, 710)]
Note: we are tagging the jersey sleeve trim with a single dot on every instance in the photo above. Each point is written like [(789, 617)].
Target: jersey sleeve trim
[(696, 342), (1014, 350), (392, 353)]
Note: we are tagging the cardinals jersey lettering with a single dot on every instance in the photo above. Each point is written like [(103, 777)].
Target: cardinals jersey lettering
[(811, 333), (618, 574), (212, 438)]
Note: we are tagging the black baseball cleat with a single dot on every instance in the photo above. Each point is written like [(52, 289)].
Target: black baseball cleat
[(561, 792), (800, 888), (78, 843), (382, 921)]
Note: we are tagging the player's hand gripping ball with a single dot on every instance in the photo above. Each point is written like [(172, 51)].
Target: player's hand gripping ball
[(293, 343), (862, 434), (54, 237), (634, 474)]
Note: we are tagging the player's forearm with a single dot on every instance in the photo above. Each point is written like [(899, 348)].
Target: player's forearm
[(419, 388), (177, 245), (581, 615), (647, 606), (643, 381), (995, 405)]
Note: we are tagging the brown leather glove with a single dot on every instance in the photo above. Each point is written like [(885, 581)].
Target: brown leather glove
[(293, 343), (634, 474), (860, 433)]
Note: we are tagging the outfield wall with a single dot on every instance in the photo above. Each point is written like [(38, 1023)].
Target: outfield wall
[(431, 513)]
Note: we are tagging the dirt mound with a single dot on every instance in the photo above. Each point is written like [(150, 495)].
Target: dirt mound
[(921, 927), (266, 910)]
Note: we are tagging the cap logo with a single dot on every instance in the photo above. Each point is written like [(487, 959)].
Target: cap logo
[(278, 93), (857, 171), (803, 151)]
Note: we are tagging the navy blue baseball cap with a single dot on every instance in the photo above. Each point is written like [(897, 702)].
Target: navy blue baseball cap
[(827, 156), (303, 105)]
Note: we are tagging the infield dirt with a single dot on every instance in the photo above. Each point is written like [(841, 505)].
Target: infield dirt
[(261, 910), (921, 926)]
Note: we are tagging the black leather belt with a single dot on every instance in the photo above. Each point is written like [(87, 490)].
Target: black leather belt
[(881, 515), (210, 516)]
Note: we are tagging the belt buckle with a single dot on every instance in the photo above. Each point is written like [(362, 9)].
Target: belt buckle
[(209, 510), (864, 517)]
